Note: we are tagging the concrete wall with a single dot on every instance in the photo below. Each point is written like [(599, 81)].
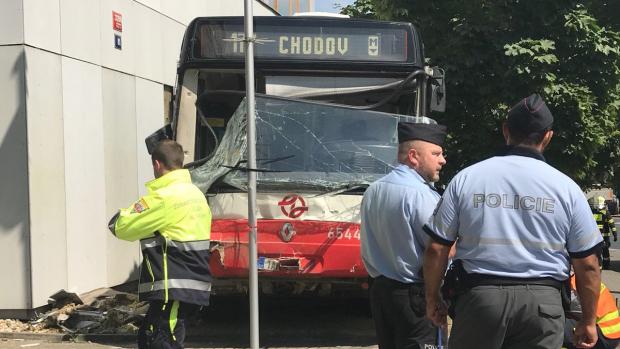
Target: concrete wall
[(46, 172), (75, 112), (14, 210)]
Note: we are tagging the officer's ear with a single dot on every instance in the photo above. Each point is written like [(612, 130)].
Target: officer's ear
[(505, 132), (412, 156), (547, 138), (158, 168)]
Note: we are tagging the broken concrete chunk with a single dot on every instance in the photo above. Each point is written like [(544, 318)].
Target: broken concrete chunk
[(63, 297)]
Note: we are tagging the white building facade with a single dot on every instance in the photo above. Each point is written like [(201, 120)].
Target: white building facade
[(82, 83)]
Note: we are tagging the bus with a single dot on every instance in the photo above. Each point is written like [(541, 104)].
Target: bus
[(330, 94)]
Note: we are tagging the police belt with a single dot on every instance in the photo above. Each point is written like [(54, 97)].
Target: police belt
[(473, 280), (396, 284)]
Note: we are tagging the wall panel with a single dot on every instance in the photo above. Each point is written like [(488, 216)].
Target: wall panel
[(14, 219), (46, 174), (84, 175)]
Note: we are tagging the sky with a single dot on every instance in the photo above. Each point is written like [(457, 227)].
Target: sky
[(328, 5)]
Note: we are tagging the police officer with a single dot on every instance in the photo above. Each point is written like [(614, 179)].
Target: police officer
[(605, 224), (393, 211), (173, 224), (517, 223)]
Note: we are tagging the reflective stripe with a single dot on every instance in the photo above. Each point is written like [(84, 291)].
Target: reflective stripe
[(173, 318), (190, 245), (149, 243), (610, 325), (200, 245), (176, 283), (150, 269), (473, 240), (608, 317), (166, 271)]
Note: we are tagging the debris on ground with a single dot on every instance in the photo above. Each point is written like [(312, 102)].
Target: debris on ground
[(101, 311)]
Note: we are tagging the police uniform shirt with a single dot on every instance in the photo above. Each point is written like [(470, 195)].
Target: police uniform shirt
[(393, 212), (515, 216)]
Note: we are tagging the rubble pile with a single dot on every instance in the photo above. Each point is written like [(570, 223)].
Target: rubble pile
[(102, 311)]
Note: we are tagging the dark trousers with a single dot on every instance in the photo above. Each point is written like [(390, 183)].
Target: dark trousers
[(399, 313), (164, 325), (508, 317), (605, 252), (603, 343)]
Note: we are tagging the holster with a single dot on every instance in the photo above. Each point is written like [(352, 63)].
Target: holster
[(565, 293), (453, 284)]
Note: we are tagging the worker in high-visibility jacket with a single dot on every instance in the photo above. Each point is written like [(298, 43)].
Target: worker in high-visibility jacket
[(607, 318), (605, 224), (173, 224)]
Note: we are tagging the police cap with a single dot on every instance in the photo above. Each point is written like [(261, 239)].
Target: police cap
[(529, 115), (432, 133)]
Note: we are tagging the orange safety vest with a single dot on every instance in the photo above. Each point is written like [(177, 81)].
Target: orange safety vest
[(607, 317)]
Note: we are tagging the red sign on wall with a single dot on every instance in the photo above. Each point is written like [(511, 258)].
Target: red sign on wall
[(117, 21)]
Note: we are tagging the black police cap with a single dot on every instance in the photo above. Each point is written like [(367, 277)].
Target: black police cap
[(530, 115), (433, 133)]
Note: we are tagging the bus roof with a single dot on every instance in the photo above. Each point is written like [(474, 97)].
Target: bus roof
[(303, 43)]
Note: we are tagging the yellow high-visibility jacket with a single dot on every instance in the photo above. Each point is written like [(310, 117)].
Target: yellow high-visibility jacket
[(173, 224)]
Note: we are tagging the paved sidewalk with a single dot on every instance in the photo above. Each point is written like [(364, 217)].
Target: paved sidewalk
[(610, 277)]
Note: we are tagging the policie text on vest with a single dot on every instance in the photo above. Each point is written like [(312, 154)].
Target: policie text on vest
[(514, 201)]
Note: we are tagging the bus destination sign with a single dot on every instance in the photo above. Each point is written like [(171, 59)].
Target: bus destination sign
[(221, 41)]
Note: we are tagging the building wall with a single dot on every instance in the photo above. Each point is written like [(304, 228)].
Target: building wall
[(77, 111), (46, 172), (290, 7), (14, 216)]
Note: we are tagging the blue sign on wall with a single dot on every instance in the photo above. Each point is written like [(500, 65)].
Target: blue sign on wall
[(118, 42)]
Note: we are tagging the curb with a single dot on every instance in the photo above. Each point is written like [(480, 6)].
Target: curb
[(215, 340), (64, 337), (46, 337)]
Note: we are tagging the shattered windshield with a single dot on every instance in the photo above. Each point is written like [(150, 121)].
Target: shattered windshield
[(305, 146)]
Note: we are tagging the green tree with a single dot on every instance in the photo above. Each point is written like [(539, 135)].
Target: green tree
[(496, 52), (360, 9)]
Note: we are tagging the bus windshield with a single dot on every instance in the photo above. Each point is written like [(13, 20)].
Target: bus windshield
[(305, 145)]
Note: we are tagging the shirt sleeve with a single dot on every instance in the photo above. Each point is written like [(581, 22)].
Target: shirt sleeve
[(140, 220), (443, 224), (584, 233)]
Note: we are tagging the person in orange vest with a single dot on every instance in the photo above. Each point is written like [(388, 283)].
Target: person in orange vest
[(607, 319)]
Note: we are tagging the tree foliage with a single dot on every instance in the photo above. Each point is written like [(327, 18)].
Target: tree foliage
[(497, 52)]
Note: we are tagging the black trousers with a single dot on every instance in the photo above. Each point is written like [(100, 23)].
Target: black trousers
[(605, 252), (164, 325), (399, 313), (508, 317)]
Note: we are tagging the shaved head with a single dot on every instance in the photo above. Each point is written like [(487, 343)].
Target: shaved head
[(424, 157)]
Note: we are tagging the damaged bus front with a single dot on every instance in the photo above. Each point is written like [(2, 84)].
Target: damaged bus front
[(332, 92)]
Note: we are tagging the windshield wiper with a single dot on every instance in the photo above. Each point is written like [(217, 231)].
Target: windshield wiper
[(343, 189), (262, 161), (270, 161), (245, 169)]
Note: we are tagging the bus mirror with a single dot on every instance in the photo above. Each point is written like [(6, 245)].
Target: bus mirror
[(158, 136), (438, 90)]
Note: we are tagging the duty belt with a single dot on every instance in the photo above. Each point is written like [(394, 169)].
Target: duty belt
[(473, 280), (396, 284)]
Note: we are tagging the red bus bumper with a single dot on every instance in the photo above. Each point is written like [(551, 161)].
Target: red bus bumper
[(292, 250)]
